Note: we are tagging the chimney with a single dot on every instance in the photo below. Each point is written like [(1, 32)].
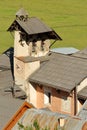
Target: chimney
[(61, 122)]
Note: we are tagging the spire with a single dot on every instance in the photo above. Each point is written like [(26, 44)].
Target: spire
[(22, 15)]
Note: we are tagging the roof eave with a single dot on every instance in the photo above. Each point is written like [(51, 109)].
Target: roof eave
[(56, 35), (48, 84), (9, 29), (51, 34)]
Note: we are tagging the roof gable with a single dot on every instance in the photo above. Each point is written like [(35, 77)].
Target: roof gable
[(81, 54)]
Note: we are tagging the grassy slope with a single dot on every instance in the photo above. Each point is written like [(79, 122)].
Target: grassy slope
[(67, 17)]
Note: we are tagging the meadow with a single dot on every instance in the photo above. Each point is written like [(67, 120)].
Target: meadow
[(67, 17)]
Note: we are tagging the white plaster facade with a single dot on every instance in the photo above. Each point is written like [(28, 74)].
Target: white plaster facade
[(20, 48)]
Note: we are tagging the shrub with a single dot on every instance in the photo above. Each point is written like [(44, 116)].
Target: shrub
[(35, 126)]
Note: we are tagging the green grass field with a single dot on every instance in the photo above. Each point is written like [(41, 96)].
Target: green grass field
[(67, 17)]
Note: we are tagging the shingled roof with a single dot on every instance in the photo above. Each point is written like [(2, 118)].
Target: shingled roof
[(74, 123), (83, 93), (45, 118), (61, 72), (83, 111), (81, 54), (8, 104), (33, 26)]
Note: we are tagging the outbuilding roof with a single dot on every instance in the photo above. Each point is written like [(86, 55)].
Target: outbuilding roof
[(83, 111), (74, 124), (83, 93), (8, 104), (45, 118), (61, 72), (4, 61), (8, 107), (81, 53)]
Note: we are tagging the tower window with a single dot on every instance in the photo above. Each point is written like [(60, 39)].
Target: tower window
[(47, 97)]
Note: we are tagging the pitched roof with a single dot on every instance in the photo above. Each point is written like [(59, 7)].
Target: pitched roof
[(45, 118), (61, 72), (8, 104), (4, 61), (83, 111), (83, 93), (34, 26), (6, 58), (8, 107), (73, 123), (6, 79), (81, 54)]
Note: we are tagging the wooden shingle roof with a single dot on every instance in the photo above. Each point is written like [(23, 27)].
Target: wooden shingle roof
[(61, 72), (32, 26)]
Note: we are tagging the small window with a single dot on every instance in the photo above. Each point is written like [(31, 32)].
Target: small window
[(66, 104), (47, 97)]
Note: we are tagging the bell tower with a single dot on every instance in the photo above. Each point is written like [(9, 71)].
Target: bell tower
[(31, 42), (26, 44)]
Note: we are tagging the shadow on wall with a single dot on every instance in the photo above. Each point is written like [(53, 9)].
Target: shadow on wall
[(10, 54)]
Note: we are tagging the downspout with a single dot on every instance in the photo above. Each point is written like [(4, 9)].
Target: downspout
[(75, 100)]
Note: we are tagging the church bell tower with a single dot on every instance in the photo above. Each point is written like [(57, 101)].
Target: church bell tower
[(31, 42)]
